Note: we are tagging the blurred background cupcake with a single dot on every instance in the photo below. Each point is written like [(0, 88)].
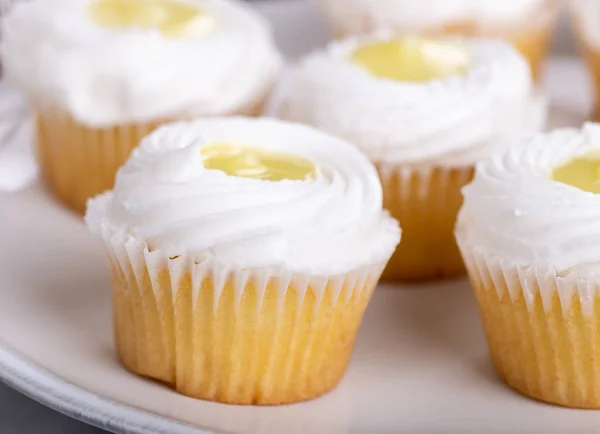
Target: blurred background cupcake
[(101, 74), (424, 111), (529, 232), (586, 20), (527, 24), (243, 254)]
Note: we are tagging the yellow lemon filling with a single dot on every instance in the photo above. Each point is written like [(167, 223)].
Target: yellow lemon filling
[(171, 17), (249, 162), (412, 59), (581, 172)]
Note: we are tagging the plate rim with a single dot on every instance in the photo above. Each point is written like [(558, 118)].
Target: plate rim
[(48, 389)]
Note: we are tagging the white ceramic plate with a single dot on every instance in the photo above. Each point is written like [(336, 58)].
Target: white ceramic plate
[(421, 363)]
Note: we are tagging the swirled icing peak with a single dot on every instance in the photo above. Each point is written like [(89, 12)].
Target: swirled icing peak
[(581, 172), (534, 203), (171, 17), (412, 59), (117, 62), (255, 163), (452, 101), (185, 189)]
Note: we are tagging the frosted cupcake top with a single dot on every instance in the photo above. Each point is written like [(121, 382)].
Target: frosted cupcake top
[(412, 100), (539, 203), (250, 193), (115, 61), (587, 13), (428, 14)]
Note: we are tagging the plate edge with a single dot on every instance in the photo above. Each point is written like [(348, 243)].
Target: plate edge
[(54, 392)]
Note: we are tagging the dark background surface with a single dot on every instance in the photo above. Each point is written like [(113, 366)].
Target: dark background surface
[(21, 415)]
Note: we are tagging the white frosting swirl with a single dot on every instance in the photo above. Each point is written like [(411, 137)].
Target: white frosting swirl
[(513, 208), (587, 13), (164, 196), (359, 16), (453, 121), (55, 51)]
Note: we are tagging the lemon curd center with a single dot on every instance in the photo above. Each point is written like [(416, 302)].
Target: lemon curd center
[(171, 17), (249, 162), (413, 59), (581, 172)]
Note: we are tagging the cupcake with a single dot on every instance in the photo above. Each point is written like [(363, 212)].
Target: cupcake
[(424, 111), (101, 74), (243, 254), (587, 30), (528, 233), (527, 24)]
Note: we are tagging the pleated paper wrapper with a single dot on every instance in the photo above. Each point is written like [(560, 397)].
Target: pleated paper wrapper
[(543, 328), (78, 161), (425, 200), (244, 336)]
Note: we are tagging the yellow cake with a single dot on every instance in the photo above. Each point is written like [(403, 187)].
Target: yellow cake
[(526, 24), (101, 74), (424, 111), (243, 254), (528, 233)]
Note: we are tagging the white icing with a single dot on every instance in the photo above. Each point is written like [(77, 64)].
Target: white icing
[(587, 13), (513, 209), (452, 122), (359, 16), (164, 197), (56, 52)]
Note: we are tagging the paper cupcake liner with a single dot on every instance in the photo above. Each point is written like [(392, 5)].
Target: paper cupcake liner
[(243, 336), (543, 329), (532, 38), (425, 200), (79, 162)]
